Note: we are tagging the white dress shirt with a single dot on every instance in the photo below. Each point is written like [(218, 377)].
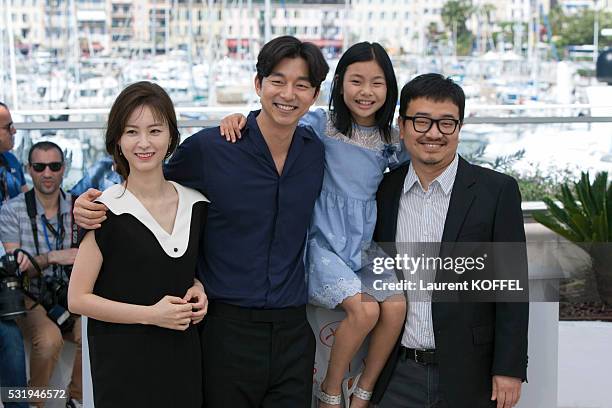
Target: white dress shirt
[(421, 218)]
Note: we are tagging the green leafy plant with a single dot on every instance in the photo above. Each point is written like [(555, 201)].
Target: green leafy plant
[(538, 183), (582, 213), (534, 184), (500, 163)]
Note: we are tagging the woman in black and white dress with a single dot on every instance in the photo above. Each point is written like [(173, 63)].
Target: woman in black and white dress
[(134, 277)]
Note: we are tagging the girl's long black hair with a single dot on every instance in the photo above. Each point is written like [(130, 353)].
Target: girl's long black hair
[(340, 114)]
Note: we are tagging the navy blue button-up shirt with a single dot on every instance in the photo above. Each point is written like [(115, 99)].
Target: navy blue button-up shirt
[(252, 253)]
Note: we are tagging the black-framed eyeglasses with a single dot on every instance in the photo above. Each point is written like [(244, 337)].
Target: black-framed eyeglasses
[(8, 126), (422, 124), (53, 166)]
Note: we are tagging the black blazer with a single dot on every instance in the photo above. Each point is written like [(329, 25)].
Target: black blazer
[(474, 341)]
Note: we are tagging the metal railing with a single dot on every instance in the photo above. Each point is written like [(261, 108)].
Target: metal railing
[(496, 115), (208, 123), (501, 116)]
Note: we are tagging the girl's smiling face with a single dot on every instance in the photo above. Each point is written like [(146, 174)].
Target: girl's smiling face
[(364, 90)]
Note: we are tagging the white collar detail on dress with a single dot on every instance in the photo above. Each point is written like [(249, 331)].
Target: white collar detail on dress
[(120, 200)]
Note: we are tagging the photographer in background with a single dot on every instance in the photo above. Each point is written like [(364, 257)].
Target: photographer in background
[(12, 182), (40, 222)]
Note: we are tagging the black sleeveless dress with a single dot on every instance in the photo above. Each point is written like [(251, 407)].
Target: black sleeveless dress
[(136, 365)]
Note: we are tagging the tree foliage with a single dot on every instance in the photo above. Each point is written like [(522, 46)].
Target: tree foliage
[(455, 14), (577, 29)]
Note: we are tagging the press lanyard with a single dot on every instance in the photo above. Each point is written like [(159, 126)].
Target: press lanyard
[(58, 234)]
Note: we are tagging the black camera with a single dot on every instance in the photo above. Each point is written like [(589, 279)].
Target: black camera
[(12, 302), (54, 298), (52, 292)]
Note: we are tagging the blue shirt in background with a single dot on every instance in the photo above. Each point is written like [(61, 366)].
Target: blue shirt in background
[(11, 177), (99, 176), (252, 252)]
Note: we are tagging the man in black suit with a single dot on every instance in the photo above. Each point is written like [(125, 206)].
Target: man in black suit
[(451, 354)]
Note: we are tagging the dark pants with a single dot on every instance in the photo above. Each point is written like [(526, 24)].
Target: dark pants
[(257, 358), (413, 385)]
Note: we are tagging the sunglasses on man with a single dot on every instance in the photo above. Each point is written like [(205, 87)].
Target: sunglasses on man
[(53, 166)]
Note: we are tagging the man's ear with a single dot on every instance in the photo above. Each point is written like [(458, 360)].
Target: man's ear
[(257, 82), (400, 126), (316, 95)]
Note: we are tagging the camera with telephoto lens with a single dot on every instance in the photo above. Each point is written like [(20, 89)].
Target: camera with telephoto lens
[(52, 292), (12, 302)]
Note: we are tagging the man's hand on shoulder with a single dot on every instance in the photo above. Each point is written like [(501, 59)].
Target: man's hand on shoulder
[(506, 391), (87, 214)]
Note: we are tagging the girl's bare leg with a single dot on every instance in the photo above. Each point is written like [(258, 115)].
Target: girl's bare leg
[(362, 313), (382, 340)]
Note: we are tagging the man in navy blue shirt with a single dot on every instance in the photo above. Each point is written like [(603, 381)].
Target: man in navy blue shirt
[(260, 209), (258, 349)]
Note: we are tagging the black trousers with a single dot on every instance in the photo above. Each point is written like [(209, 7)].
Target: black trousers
[(256, 358), (413, 385)]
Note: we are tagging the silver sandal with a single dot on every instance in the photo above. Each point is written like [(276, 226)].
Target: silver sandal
[(362, 394), (328, 399), (355, 390)]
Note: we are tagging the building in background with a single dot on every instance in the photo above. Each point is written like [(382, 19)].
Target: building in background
[(575, 6), (237, 28)]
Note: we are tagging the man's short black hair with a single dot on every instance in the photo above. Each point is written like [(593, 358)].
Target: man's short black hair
[(3, 105), (44, 145), (290, 47), (434, 87)]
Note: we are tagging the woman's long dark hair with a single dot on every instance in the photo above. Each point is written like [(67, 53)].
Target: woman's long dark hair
[(340, 114)]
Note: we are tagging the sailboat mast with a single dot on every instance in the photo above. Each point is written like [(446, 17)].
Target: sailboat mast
[(2, 52), (345, 26), (239, 39), (211, 56), (267, 13), (11, 41), (190, 47), (76, 47)]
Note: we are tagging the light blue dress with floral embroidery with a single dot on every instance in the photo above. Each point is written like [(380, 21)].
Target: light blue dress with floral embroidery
[(345, 213)]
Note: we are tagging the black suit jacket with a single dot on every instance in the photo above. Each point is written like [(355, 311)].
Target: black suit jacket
[(474, 341)]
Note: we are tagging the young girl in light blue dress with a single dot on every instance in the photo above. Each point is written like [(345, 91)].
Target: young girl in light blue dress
[(360, 143)]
